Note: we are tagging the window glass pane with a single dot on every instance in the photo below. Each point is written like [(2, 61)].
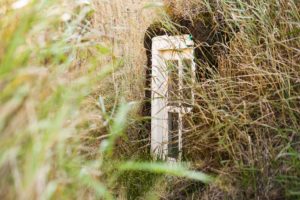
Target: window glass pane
[(173, 135), (188, 128), (173, 81), (187, 81)]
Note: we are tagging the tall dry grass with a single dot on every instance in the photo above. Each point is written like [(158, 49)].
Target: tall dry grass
[(245, 127), (121, 25)]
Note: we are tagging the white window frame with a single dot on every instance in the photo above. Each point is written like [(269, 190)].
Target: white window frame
[(168, 48)]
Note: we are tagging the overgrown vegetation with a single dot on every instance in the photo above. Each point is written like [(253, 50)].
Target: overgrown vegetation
[(67, 70), (49, 67), (245, 125)]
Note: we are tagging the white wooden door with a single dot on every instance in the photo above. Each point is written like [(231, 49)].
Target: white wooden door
[(172, 64)]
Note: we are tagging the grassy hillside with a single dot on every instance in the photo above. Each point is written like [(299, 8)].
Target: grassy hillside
[(72, 80)]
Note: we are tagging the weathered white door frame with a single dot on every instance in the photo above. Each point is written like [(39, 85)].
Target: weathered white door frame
[(167, 48)]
